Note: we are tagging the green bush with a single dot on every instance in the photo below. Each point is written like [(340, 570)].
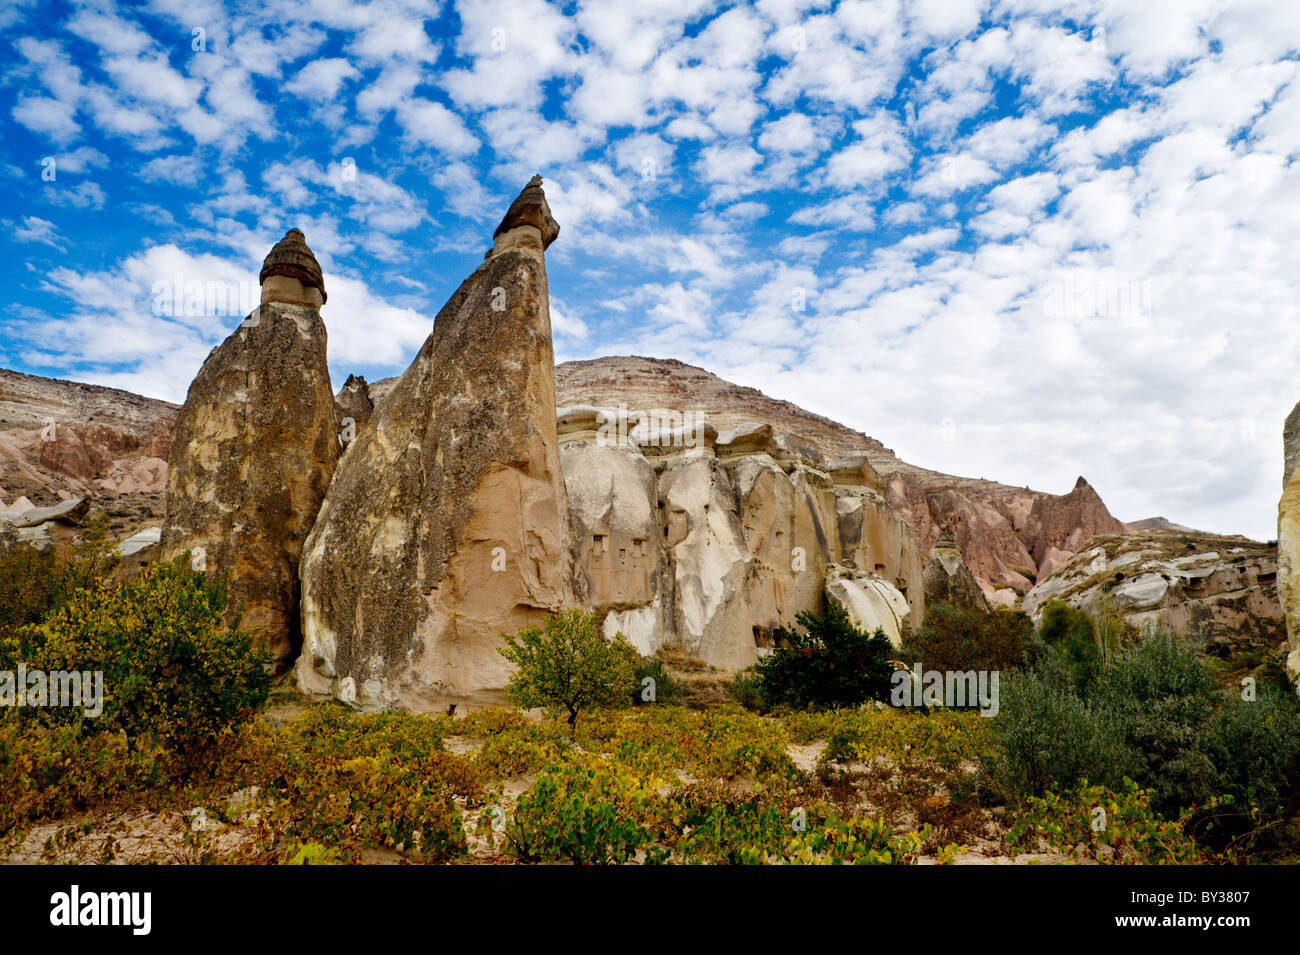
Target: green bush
[(567, 666), (1047, 737), (580, 814), (956, 640), (1070, 633), (1255, 746), (667, 691), (1163, 698), (746, 688), (831, 664), (172, 671)]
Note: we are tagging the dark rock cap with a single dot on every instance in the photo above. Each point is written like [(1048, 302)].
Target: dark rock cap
[(291, 257), (530, 208)]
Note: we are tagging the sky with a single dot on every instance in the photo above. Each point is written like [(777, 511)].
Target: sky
[(1016, 240)]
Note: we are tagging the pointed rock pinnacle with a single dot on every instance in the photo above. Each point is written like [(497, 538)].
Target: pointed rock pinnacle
[(292, 258), (530, 208)]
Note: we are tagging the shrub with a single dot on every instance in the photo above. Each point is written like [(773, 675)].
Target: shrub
[(35, 582), (1070, 633), (666, 689), (1046, 736), (567, 665), (1114, 826), (172, 671), (580, 814), (1162, 698), (1255, 746), (367, 782), (955, 639), (832, 663), (746, 689)]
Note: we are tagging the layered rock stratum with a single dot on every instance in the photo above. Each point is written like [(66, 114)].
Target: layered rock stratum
[(1222, 589)]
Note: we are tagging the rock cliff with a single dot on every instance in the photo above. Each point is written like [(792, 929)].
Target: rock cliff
[(1224, 589)]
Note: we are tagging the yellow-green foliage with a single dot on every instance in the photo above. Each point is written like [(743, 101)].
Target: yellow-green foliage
[(946, 736), (50, 772), (172, 671), (355, 782), (1113, 827), (722, 742)]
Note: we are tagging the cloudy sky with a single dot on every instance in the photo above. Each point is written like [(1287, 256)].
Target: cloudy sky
[(1018, 240)]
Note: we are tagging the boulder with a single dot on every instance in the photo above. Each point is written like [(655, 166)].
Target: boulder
[(140, 548), (872, 602), (949, 581), (447, 523), (253, 451)]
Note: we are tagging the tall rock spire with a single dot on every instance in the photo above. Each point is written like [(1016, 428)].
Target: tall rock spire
[(447, 521), (1288, 539), (254, 448)]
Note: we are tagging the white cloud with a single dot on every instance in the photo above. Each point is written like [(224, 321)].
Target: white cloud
[(321, 80)]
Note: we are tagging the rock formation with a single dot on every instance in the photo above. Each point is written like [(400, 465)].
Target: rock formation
[(47, 527), (1004, 532), (949, 581), (710, 541), (1288, 539), (447, 522), (1222, 588), (254, 449), (354, 405), (63, 439)]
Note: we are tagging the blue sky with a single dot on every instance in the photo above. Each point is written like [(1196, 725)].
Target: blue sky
[(1014, 240)]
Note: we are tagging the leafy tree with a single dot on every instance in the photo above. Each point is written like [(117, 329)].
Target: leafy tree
[(832, 663), (958, 639), (567, 666)]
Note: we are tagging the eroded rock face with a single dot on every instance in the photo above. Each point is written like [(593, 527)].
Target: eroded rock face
[(1222, 588), (710, 564), (872, 602), (1288, 539), (613, 502), (354, 406), (1057, 526), (254, 449), (949, 581), (874, 538), (447, 523)]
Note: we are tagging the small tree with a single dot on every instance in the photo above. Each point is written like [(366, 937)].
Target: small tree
[(832, 663), (568, 666)]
